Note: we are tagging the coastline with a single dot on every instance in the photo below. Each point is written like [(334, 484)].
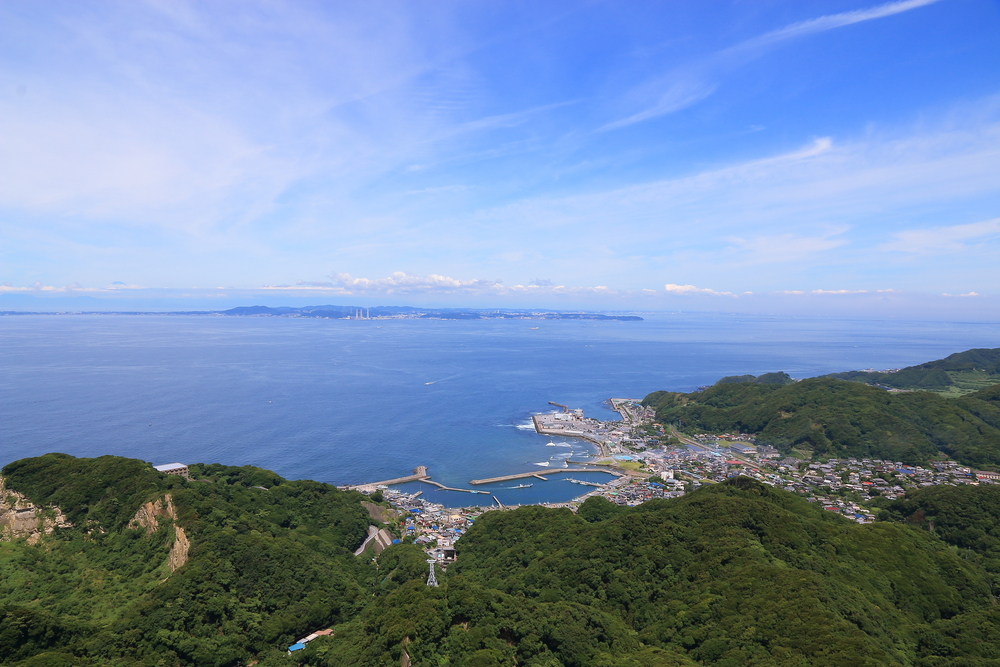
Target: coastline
[(607, 437)]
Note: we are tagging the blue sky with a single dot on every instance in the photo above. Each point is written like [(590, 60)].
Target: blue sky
[(783, 155)]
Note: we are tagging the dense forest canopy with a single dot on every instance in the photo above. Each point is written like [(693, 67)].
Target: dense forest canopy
[(264, 563), (731, 574)]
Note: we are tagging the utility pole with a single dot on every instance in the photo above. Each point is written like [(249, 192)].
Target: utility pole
[(432, 578)]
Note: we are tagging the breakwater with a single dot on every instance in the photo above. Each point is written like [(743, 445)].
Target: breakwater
[(522, 475), (419, 474)]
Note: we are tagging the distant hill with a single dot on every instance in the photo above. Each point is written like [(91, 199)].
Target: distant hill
[(959, 373), (766, 378), (838, 418)]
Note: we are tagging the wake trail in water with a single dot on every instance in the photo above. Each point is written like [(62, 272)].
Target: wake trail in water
[(450, 377)]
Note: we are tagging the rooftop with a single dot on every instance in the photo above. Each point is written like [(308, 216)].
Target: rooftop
[(169, 466)]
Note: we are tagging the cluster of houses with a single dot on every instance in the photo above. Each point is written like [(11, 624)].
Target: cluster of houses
[(877, 477), (432, 525)]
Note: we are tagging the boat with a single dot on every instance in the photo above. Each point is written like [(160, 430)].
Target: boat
[(522, 486)]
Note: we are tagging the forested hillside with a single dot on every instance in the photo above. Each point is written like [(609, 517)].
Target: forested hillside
[(956, 374), (838, 418), (729, 575), (263, 564)]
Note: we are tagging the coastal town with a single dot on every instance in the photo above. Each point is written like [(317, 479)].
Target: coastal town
[(648, 460)]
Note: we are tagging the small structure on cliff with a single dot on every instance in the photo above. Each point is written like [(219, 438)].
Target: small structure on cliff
[(174, 469)]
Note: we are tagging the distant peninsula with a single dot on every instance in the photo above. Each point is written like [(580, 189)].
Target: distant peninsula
[(375, 313), (409, 312)]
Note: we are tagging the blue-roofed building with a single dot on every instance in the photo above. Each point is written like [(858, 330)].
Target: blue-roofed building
[(296, 647)]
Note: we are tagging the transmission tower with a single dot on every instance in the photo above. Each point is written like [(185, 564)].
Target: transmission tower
[(432, 579)]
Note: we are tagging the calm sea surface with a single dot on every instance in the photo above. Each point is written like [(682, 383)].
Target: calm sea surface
[(355, 401)]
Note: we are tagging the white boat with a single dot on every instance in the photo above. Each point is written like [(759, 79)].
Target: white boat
[(522, 486)]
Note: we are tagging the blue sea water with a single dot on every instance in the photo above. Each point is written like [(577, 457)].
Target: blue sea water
[(350, 401)]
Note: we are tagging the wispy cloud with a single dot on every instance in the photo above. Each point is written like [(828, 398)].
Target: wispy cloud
[(787, 247), (798, 209), (938, 240), (402, 283), (839, 291), (678, 95), (691, 83), (691, 289), (39, 288), (828, 22)]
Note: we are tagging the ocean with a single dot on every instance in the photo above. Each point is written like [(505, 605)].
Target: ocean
[(352, 401)]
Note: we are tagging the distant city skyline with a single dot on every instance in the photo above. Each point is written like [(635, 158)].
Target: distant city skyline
[(836, 157)]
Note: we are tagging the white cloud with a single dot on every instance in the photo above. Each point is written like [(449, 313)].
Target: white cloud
[(691, 289), (937, 240), (40, 288), (402, 283)]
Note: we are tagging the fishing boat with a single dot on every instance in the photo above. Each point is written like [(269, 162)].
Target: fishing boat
[(522, 486)]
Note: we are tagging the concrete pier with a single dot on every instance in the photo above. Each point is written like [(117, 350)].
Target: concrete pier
[(419, 473), (441, 486), (522, 475)]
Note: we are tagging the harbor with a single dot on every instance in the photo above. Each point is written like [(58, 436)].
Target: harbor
[(419, 475), (611, 438)]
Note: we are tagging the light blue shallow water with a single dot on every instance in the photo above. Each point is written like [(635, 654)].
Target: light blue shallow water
[(354, 401)]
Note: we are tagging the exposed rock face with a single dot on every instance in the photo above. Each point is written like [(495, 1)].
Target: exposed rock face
[(179, 551), (147, 514), (147, 517), (20, 518)]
